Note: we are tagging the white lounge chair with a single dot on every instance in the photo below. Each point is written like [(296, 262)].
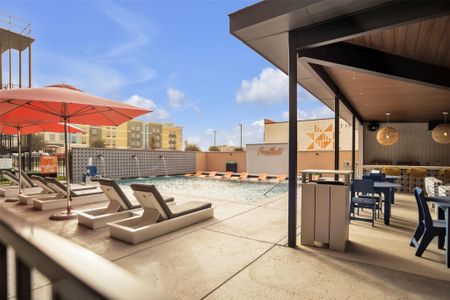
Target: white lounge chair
[(78, 197), (120, 206), (13, 188), (158, 218), (47, 191)]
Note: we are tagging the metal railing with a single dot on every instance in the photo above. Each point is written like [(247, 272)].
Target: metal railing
[(74, 272), (15, 24)]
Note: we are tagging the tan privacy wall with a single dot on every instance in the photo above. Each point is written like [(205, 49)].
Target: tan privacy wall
[(216, 161)]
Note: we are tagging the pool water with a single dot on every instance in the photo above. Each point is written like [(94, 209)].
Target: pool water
[(211, 188)]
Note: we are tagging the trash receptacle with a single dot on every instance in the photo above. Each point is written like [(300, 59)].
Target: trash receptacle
[(91, 171), (231, 166)]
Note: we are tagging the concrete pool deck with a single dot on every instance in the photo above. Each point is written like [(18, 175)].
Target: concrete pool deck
[(241, 254)]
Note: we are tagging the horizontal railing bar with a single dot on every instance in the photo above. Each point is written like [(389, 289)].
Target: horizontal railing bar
[(59, 259)]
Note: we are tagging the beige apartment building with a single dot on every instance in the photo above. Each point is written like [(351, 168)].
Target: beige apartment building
[(135, 134), (166, 136)]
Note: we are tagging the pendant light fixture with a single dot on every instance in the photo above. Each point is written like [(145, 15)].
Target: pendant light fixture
[(387, 136), (441, 133)]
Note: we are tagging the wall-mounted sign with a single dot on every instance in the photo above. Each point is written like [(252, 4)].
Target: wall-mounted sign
[(5, 163), (267, 158), (49, 164), (270, 151)]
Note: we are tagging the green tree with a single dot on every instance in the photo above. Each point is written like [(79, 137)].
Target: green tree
[(98, 144), (37, 142), (190, 147), (238, 149), (213, 148)]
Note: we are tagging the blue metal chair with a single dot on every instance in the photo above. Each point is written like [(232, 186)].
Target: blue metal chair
[(427, 227), (379, 177), (363, 197)]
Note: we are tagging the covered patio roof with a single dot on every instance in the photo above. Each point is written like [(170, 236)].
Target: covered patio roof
[(374, 57), (380, 56)]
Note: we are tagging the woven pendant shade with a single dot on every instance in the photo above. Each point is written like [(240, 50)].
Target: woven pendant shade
[(441, 133), (387, 136)]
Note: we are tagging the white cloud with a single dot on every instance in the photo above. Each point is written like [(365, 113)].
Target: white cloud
[(176, 98), (323, 112), (157, 112), (271, 86)]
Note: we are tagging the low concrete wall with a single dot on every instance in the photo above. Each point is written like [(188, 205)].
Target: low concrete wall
[(119, 163), (216, 161)]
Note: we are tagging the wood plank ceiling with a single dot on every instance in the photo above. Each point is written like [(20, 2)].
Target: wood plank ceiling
[(373, 96), (428, 41)]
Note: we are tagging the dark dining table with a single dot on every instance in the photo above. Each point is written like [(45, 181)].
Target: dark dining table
[(387, 189), (392, 178), (443, 204)]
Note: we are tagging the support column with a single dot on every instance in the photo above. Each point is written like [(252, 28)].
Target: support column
[(29, 66), (1, 68), (292, 197), (336, 133), (353, 145), (10, 68), (20, 68)]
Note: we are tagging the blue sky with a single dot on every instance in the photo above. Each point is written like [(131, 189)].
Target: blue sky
[(174, 57)]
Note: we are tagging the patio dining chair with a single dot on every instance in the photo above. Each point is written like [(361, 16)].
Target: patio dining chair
[(380, 177), (427, 228), (363, 197)]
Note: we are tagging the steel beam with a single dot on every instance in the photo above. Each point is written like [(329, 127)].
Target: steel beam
[(353, 145), (336, 133), (367, 21), (372, 61), (292, 196)]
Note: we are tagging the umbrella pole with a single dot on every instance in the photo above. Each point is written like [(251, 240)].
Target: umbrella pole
[(19, 131), (67, 214), (66, 154), (19, 146)]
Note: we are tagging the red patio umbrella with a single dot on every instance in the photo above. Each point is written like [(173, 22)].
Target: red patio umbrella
[(20, 129), (63, 103)]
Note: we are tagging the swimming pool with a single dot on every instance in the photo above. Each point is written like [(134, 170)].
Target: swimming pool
[(214, 189)]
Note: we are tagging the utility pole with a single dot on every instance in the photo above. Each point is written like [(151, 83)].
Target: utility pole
[(215, 131), (241, 135)]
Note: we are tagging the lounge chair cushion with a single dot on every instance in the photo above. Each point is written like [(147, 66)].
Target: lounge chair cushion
[(61, 188), (27, 179), (188, 207), (164, 208), (122, 199), (10, 176)]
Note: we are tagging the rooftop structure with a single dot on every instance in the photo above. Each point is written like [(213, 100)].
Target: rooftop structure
[(362, 55)]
